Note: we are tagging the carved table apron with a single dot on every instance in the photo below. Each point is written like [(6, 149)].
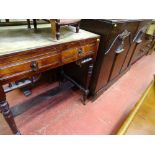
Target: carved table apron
[(24, 54)]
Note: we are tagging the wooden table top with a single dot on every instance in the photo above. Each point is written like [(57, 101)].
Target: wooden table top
[(18, 38)]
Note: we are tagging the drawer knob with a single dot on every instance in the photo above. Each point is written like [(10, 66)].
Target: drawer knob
[(80, 51), (34, 66)]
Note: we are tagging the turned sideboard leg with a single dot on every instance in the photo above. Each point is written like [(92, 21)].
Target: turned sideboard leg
[(86, 93), (5, 110)]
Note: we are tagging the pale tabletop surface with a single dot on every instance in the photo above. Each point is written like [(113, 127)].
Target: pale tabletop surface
[(18, 38)]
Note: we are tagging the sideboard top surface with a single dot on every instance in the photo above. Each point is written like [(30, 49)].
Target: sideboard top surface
[(113, 21), (18, 38)]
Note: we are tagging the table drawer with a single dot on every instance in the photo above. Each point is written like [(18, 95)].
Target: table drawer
[(69, 55), (76, 53), (29, 65), (90, 48)]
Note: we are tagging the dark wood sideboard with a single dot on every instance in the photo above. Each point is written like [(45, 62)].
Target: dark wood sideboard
[(122, 43)]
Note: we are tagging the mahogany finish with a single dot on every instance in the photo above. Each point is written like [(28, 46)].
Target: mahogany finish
[(27, 63), (19, 65), (141, 48), (116, 49)]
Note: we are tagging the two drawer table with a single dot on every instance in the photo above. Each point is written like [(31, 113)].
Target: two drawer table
[(24, 54)]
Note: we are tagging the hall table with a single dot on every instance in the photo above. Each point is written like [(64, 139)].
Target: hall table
[(25, 53)]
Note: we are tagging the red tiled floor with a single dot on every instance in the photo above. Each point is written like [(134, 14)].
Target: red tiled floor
[(65, 114)]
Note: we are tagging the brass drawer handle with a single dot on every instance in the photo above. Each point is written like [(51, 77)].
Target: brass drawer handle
[(34, 66)]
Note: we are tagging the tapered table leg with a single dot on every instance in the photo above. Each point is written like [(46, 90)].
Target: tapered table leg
[(5, 110)]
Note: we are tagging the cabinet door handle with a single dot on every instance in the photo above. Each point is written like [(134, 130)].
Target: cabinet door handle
[(139, 41), (139, 35), (121, 38), (34, 66), (138, 38), (119, 50)]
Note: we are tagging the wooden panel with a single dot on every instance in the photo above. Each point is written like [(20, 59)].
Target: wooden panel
[(132, 27), (141, 49), (24, 66), (77, 53), (128, 57), (89, 49), (119, 60), (138, 47), (69, 55), (105, 69)]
